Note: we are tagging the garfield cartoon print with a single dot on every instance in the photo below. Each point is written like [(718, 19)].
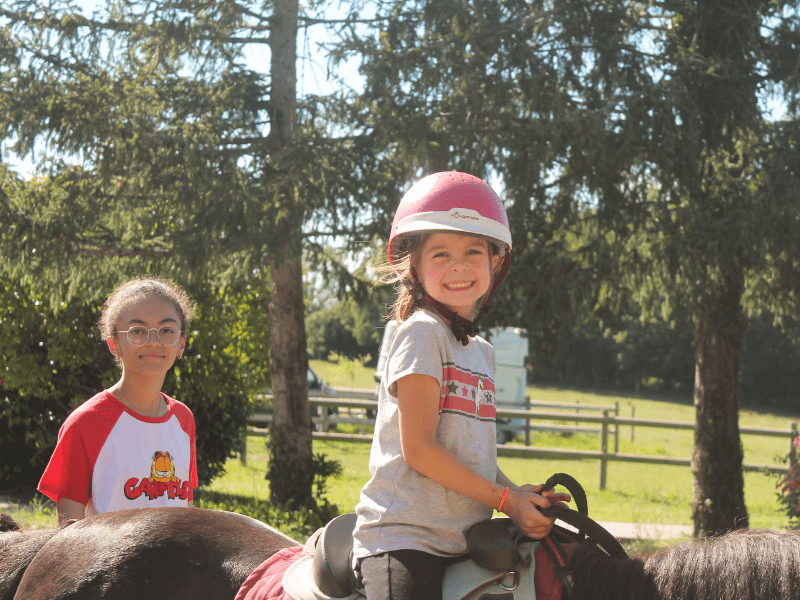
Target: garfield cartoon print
[(163, 482), (162, 468)]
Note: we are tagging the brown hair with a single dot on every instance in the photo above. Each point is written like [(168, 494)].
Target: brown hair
[(144, 287), (399, 275)]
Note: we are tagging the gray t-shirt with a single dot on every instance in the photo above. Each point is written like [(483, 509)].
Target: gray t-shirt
[(399, 507)]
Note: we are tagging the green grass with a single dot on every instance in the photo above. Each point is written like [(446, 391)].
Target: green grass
[(35, 514), (345, 374)]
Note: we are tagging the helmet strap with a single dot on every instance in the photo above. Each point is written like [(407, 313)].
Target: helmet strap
[(414, 287), (462, 328)]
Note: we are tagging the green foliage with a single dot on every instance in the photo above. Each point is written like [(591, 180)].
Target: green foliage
[(628, 139), (771, 353), (652, 356), (52, 361), (346, 329), (635, 356), (224, 367), (345, 309), (159, 149)]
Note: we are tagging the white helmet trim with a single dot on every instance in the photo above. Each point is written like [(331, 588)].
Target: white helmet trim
[(457, 220)]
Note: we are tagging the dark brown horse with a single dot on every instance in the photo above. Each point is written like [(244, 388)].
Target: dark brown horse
[(201, 554), (175, 553)]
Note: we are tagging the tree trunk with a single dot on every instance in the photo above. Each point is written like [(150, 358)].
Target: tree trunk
[(291, 466), (290, 470), (718, 500)]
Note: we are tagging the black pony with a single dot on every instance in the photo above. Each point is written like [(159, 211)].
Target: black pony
[(196, 554), (746, 564)]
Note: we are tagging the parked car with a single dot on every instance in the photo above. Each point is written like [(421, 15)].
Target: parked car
[(317, 387), (510, 347)]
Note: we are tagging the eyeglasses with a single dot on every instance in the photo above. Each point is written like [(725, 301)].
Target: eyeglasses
[(139, 335)]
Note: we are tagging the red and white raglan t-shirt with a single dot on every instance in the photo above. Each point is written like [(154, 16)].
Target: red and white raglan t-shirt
[(109, 457)]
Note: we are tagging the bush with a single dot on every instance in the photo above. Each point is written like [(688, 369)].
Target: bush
[(789, 491), (50, 366), (347, 329)]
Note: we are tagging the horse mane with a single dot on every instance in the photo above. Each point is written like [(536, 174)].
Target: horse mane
[(751, 564), (17, 549), (597, 576)]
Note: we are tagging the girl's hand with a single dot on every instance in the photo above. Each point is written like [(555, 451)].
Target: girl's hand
[(524, 505), (524, 508), (551, 495)]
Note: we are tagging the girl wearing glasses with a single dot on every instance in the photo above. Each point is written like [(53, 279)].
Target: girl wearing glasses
[(130, 446)]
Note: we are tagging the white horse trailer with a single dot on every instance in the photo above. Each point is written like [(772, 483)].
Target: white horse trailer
[(511, 348)]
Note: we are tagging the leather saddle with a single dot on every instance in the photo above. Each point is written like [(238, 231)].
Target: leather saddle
[(332, 564)]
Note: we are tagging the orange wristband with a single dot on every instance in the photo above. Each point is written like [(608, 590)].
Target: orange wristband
[(503, 500)]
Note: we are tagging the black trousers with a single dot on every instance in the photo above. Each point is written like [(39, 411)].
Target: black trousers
[(403, 575)]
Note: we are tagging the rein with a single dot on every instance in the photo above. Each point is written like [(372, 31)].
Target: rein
[(494, 544)]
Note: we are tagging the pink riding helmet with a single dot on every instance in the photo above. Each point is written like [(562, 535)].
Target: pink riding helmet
[(452, 202)]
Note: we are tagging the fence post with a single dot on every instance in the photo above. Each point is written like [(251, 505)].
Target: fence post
[(324, 417), (792, 447), (604, 449), (616, 428), (633, 416), (243, 454), (528, 421)]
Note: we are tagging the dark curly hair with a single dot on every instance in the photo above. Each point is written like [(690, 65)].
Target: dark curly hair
[(144, 287)]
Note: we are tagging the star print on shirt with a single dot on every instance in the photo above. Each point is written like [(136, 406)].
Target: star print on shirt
[(452, 388), (464, 390)]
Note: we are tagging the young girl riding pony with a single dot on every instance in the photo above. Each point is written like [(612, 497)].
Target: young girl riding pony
[(433, 462)]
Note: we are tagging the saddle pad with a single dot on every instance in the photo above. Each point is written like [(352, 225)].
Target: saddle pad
[(266, 582), (465, 580)]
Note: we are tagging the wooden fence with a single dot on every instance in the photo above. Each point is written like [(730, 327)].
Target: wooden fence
[(608, 423)]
